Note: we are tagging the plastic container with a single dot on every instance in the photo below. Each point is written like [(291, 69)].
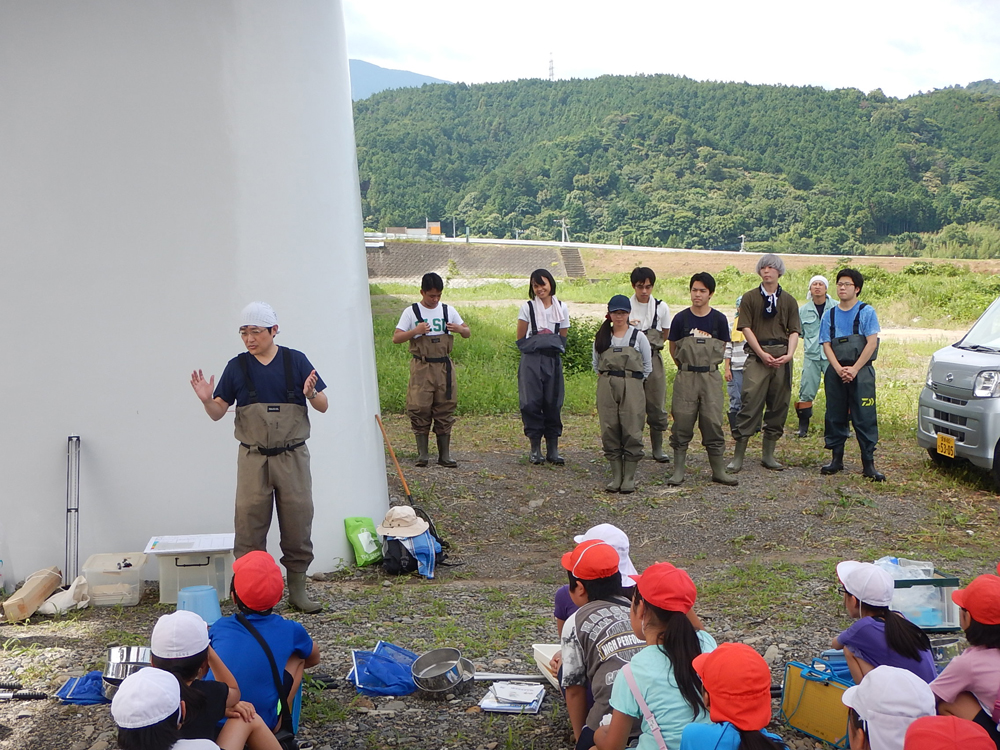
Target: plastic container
[(927, 603), (202, 600), (114, 578), (178, 572)]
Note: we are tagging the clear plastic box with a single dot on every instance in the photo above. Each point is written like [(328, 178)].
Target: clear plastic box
[(177, 572), (927, 603), (114, 578)]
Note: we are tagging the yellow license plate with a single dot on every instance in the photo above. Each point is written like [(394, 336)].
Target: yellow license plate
[(946, 445)]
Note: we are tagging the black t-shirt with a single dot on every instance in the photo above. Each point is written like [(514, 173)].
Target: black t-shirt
[(820, 309), (269, 379), (203, 725), (714, 324)]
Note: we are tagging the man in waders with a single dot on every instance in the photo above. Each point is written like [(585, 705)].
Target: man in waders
[(698, 336), (652, 317), (769, 319), (814, 360), (849, 334), (428, 326), (271, 386)]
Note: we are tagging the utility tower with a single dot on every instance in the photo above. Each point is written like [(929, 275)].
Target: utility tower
[(552, 68), (564, 225)]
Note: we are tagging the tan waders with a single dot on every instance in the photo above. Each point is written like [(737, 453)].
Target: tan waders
[(766, 391), (273, 472), (698, 399), (621, 409), (655, 389), (430, 397)]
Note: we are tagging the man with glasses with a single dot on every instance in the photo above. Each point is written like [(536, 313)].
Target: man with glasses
[(271, 386), (652, 317), (849, 336)]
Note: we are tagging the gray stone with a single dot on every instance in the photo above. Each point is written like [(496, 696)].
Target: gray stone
[(772, 654), (393, 706)]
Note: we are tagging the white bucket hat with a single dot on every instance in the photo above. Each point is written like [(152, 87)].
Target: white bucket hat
[(889, 699), (617, 538), (402, 521), (866, 581), (145, 698), (179, 635)]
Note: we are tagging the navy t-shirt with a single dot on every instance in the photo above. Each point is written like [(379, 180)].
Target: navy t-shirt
[(269, 380), (714, 324)]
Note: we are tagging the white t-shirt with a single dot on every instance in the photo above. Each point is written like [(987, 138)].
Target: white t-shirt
[(643, 313), (545, 318), (434, 318)]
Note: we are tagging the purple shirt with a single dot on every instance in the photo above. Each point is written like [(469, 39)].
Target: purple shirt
[(866, 640), (564, 604)]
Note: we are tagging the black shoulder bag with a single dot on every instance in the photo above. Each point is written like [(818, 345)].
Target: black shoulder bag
[(284, 735)]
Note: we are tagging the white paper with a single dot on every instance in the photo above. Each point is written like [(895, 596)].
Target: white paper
[(190, 543), (517, 692)]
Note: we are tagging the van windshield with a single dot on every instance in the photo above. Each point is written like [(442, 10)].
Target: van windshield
[(985, 334)]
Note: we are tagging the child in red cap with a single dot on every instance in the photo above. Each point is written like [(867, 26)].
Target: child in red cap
[(663, 679), (968, 686), (597, 640), (946, 733), (736, 687)]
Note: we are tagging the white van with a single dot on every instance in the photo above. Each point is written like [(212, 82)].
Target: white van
[(959, 412)]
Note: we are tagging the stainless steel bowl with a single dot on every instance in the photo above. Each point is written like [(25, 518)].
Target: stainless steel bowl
[(438, 670), (459, 688), (118, 672), (129, 655)]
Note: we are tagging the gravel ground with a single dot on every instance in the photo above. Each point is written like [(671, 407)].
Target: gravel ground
[(762, 555)]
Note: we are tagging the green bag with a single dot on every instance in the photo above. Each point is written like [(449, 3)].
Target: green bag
[(363, 538)]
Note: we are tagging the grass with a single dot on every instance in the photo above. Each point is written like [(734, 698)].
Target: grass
[(750, 592)]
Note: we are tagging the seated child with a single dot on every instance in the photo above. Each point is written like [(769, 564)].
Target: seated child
[(883, 706), (149, 713), (736, 688), (663, 672), (179, 645), (967, 687), (257, 587), (597, 640), (880, 636), (946, 733)]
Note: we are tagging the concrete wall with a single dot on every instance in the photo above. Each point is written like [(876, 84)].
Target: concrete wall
[(163, 163)]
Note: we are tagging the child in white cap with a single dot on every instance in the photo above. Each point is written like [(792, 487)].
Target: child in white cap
[(883, 706), (814, 361), (880, 636), (149, 713), (180, 646)]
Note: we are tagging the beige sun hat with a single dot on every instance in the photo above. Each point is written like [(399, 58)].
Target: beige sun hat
[(402, 521)]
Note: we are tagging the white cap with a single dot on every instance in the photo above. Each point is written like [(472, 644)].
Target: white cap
[(617, 539), (258, 314), (889, 699), (145, 698), (867, 582), (816, 278), (179, 635)]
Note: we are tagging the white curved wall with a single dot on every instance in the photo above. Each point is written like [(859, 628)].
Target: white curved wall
[(162, 163)]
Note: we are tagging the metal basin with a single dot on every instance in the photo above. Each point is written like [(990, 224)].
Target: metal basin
[(129, 655), (459, 688), (123, 661), (438, 670)]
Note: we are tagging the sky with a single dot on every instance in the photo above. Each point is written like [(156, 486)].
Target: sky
[(900, 47)]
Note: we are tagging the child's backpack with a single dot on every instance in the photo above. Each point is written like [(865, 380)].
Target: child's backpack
[(397, 560)]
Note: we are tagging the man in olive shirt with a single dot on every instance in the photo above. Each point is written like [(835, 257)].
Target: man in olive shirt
[(769, 320)]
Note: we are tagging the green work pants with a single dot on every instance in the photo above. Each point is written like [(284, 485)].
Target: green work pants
[(655, 388), (766, 392), (621, 409), (812, 376), (697, 398)]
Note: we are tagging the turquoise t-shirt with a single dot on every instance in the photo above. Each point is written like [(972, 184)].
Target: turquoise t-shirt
[(655, 677), (722, 736)]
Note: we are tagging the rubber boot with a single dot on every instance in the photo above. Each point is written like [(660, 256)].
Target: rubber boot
[(297, 594), (767, 459), (535, 456), (422, 450), (870, 471), (804, 415), (628, 477), (732, 421), (552, 452), (444, 451), (680, 460), (616, 475), (836, 464), (718, 464), (656, 444), (736, 464)]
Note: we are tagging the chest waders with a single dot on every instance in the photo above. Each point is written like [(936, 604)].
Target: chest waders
[(655, 387), (430, 397), (621, 409), (852, 402), (698, 399), (766, 393), (273, 473), (813, 367), (540, 390)]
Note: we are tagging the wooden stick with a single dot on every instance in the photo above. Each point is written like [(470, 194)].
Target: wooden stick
[(392, 453)]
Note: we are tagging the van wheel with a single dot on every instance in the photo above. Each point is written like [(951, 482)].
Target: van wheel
[(940, 460)]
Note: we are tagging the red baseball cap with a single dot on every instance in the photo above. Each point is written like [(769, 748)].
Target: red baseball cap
[(667, 587), (946, 733), (257, 580), (738, 682), (591, 560), (981, 599)]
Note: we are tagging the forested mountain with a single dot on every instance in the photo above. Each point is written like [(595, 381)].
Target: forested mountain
[(368, 78), (664, 160)]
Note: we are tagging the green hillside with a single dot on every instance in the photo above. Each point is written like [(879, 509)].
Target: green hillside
[(662, 160)]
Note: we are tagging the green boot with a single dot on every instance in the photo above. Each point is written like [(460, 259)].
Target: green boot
[(737, 463), (444, 451), (628, 477), (535, 455), (552, 452), (767, 459), (680, 459), (718, 464), (422, 450), (297, 594), (656, 443), (616, 475)]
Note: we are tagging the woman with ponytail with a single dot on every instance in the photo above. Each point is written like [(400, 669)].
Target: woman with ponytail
[(660, 681), (880, 636), (736, 688)]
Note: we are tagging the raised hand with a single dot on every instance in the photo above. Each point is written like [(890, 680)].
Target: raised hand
[(310, 384), (203, 388)]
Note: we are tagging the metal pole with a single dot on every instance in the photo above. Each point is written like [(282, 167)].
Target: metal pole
[(72, 568)]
